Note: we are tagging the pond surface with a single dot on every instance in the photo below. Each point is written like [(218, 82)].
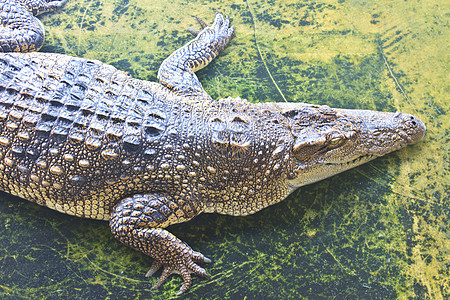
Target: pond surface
[(379, 231)]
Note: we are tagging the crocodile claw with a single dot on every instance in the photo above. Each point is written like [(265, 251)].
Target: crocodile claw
[(202, 23), (184, 268), (194, 31), (220, 24)]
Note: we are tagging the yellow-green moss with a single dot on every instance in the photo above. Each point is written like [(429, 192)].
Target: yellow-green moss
[(380, 231)]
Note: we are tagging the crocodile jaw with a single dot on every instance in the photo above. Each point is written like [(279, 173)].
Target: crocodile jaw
[(345, 138)]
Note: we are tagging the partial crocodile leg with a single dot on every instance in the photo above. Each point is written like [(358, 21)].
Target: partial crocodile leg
[(177, 71), (137, 222), (20, 31), (37, 7), (202, 23)]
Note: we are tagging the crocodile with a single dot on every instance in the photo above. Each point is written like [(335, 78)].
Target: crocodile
[(85, 139)]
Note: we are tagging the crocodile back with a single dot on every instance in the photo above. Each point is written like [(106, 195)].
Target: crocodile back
[(66, 122), (78, 136)]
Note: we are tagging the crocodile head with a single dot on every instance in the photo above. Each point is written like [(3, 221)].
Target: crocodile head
[(329, 141)]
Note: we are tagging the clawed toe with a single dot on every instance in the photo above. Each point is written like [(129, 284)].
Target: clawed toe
[(201, 22), (183, 268), (165, 274), (193, 31), (154, 268), (198, 257), (221, 25)]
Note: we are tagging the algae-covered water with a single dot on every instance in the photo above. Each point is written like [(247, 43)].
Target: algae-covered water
[(380, 231)]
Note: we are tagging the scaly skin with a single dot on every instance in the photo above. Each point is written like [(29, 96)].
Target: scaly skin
[(86, 139), (20, 31)]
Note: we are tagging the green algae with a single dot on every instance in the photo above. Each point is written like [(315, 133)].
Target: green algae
[(379, 231)]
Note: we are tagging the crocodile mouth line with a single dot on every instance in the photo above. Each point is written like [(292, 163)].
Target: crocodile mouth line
[(360, 159)]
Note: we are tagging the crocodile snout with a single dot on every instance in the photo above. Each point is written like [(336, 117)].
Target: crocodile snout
[(414, 129)]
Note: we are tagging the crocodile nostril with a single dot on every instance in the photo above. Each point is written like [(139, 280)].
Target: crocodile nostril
[(415, 130)]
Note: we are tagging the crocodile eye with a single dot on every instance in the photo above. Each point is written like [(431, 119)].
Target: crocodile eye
[(336, 142)]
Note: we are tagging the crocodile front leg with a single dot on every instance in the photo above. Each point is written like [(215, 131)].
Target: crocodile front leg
[(177, 71), (20, 31), (137, 222)]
